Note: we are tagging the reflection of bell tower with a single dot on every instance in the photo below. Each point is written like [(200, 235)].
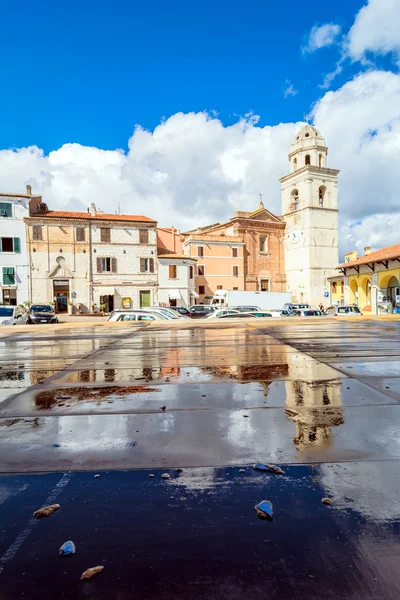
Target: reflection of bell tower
[(314, 408), (310, 210)]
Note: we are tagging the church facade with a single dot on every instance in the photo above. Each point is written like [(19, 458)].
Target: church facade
[(260, 251)]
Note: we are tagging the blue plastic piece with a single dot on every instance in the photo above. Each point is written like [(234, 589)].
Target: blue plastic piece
[(261, 467), (67, 549), (266, 507)]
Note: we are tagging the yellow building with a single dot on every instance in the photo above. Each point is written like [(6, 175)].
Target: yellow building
[(371, 282)]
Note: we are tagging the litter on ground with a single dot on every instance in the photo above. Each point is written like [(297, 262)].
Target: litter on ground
[(264, 510), (89, 573), (67, 549), (46, 511), (269, 468)]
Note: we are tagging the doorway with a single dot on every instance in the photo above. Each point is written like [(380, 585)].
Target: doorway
[(145, 299), (61, 295), (107, 303), (61, 301)]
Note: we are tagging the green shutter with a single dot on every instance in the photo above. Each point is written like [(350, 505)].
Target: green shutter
[(8, 276), (17, 245)]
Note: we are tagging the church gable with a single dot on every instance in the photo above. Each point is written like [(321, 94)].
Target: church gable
[(61, 271), (262, 214)]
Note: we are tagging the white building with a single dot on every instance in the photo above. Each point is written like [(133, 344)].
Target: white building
[(91, 261), (13, 253), (310, 211), (176, 279)]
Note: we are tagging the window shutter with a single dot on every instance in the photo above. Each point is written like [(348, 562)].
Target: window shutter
[(105, 234), (17, 245), (99, 269), (113, 265), (144, 236), (151, 265), (142, 265)]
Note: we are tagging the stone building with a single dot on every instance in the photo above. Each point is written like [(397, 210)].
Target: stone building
[(88, 261), (14, 270), (310, 212), (245, 253)]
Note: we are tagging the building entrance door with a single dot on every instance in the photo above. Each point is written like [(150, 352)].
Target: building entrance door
[(61, 301), (145, 299), (61, 295)]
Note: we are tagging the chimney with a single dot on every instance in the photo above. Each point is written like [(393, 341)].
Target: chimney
[(93, 209), (29, 190), (173, 238), (367, 250)]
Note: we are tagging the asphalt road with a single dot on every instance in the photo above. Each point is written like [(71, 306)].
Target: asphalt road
[(319, 398)]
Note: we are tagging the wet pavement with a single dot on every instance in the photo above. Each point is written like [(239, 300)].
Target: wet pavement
[(319, 398)]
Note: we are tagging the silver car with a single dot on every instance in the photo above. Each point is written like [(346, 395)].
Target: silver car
[(13, 315)]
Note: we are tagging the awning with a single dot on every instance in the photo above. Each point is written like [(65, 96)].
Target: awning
[(174, 294), (194, 294), (106, 291)]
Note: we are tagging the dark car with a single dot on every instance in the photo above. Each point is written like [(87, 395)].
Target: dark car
[(198, 311), (42, 313), (181, 310)]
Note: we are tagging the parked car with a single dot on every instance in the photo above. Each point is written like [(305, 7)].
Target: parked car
[(308, 313), (135, 315), (245, 308), (13, 315), (198, 311), (246, 315), (168, 312), (220, 312), (343, 311), (291, 307), (42, 313), (181, 310)]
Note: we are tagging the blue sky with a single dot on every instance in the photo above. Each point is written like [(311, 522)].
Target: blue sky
[(89, 71), (77, 77)]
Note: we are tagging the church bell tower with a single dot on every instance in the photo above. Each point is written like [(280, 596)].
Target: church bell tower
[(310, 211)]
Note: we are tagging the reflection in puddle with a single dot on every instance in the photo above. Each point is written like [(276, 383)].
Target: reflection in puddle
[(60, 397), (314, 408)]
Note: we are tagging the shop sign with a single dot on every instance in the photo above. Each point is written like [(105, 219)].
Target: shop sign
[(126, 303)]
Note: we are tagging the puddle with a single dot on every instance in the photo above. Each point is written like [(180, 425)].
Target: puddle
[(69, 396)]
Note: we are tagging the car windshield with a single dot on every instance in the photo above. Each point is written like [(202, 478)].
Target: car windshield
[(6, 311), (41, 308)]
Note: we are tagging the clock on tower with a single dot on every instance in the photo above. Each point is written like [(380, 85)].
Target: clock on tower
[(310, 211)]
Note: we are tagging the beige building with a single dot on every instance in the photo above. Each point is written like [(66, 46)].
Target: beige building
[(310, 211), (91, 261)]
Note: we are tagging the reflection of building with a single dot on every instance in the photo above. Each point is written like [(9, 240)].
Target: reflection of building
[(91, 259), (13, 255), (314, 408), (372, 281)]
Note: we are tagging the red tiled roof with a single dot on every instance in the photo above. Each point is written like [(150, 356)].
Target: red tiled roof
[(383, 254), (61, 214)]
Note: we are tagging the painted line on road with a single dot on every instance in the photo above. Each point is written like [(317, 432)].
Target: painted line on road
[(25, 533)]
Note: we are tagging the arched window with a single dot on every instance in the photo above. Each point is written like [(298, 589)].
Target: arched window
[(308, 160), (295, 200), (320, 160), (321, 195)]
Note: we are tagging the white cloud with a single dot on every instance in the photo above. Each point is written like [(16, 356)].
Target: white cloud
[(289, 89), (375, 29), (191, 170), (322, 36)]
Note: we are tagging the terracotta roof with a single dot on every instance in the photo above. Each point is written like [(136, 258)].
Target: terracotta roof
[(383, 254), (61, 214)]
